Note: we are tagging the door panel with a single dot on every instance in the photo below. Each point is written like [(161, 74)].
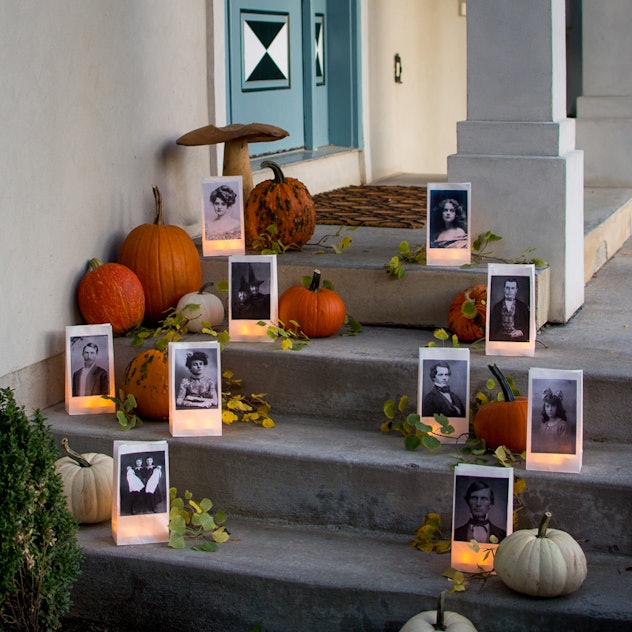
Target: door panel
[(265, 68)]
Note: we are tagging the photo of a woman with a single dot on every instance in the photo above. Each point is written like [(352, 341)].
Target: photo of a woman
[(553, 429), (448, 225), (221, 219), (198, 389)]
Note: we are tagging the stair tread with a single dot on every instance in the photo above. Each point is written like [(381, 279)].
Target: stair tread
[(399, 579)]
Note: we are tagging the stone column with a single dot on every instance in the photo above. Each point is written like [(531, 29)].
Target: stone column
[(517, 147), (604, 112)]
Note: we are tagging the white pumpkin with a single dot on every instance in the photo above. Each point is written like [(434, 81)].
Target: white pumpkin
[(201, 308), (87, 480), (541, 562), (432, 620)]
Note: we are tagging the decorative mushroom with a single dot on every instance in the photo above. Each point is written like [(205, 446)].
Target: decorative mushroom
[(236, 138)]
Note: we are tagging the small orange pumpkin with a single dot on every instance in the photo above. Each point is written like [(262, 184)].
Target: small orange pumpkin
[(318, 311), (466, 316), (503, 422), (283, 202), (111, 293), (147, 379), (166, 261)]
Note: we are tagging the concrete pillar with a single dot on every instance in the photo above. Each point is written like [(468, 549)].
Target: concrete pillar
[(517, 147), (604, 112)]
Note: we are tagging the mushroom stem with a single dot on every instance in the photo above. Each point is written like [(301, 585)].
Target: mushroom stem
[(237, 163)]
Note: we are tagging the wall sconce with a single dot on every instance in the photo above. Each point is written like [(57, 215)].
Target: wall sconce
[(398, 68), (462, 8)]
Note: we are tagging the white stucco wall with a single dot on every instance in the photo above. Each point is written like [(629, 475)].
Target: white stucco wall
[(93, 94), (413, 124)]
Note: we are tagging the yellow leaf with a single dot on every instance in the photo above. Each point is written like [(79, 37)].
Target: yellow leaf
[(268, 423), (228, 417)]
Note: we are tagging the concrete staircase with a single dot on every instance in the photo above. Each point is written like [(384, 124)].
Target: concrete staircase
[(322, 507)]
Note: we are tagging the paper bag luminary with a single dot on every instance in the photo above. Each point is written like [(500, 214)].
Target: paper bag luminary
[(253, 297), (89, 369), (223, 216), (140, 499), (195, 390), (448, 227), (510, 316), (555, 420), (444, 389), (482, 515)]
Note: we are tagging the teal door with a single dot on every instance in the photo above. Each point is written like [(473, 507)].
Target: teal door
[(279, 70)]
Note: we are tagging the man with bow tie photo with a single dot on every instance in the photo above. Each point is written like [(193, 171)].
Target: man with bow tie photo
[(480, 499), (441, 399)]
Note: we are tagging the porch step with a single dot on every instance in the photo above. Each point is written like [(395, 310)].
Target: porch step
[(292, 578)]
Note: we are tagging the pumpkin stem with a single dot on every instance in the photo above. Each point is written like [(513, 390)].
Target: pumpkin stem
[(440, 625), (279, 177), (544, 524), (209, 284), (508, 394), (159, 219), (75, 456), (314, 285), (94, 263)]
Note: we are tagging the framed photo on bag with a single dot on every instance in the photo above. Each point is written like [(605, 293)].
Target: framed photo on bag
[(195, 389), (140, 498), (252, 297), (444, 389), (483, 512), (555, 420), (448, 241), (510, 315), (223, 216), (89, 369)]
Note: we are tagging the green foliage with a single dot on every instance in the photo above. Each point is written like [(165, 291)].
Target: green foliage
[(292, 339), (343, 244), (268, 243), (430, 538), (171, 329), (40, 557), (239, 407), (125, 407), (442, 335), (188, 518), (395, 268), (409, 425)]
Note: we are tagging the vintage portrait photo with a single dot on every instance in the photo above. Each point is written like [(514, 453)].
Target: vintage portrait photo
[(554, 425), (443, 388), (448, 209), (195, 389), (250, 291), (89, 368), (511, 309), (140, 503), (222, 215), (482, 511)]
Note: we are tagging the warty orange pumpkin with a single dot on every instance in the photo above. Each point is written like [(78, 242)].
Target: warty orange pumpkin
[(166, 261), (467, 313), (111, 293), (147, 379), (283, 202)]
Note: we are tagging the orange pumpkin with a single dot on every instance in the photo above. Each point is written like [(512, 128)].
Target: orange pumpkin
[(166, 261), (283, 202), (111, 293), (318, 311), (503, 422), (147, 379), (466, 316)]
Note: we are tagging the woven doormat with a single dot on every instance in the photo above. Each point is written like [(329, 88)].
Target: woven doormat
[(379, 206)]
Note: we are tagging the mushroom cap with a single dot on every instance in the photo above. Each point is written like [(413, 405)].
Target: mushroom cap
[(252, 133)]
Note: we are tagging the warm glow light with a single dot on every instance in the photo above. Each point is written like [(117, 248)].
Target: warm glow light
[(448, 256), (140, 529), (221, 247), (465, 559), (249, 330)]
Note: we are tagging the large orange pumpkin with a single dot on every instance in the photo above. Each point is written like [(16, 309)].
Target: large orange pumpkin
[(111, 293), (283, 202), (318, 311), (503, 422), (466, 315), (147, 379), (166, 261)]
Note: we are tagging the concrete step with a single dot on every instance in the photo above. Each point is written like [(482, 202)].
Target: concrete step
[(290, 578), (420, 299), (316, 471)]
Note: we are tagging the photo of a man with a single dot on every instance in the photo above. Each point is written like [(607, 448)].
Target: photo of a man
[(90, 378), (439, 397), (510, 315), (480, 500)]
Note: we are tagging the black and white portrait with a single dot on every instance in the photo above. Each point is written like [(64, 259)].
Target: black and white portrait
[(223, 215), (90, 365), (196, 379), (143, 488), (510, 311), (444, 388), (448, 218), (250, 290)]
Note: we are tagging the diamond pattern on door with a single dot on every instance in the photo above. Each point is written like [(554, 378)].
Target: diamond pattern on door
[(319, 36), (265, 51)]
